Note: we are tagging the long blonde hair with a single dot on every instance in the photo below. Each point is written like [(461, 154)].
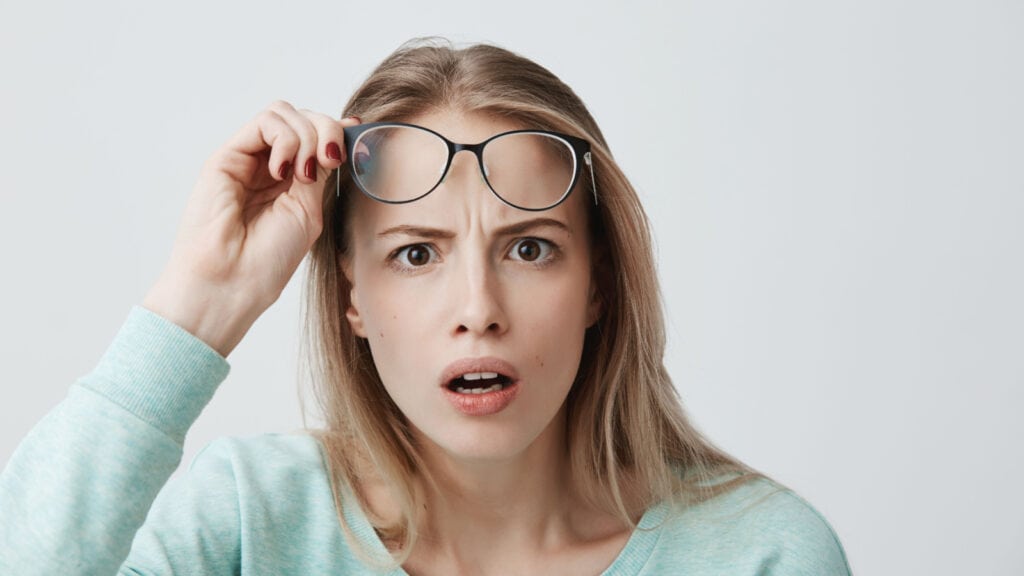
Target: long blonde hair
[(627, 432)]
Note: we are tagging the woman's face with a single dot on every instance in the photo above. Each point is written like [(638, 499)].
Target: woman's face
[(459, 283)]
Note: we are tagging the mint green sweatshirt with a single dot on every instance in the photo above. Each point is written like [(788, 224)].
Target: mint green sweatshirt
[(87, 491)]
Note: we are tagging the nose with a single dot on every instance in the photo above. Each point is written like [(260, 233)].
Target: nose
[(479, 302)]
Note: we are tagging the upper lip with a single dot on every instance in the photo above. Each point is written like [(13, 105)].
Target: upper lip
[(472, 365)]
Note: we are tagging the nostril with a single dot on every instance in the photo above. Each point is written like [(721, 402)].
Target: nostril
[(492, 327)]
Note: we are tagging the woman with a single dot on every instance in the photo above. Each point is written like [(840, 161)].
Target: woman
[(487, 342)]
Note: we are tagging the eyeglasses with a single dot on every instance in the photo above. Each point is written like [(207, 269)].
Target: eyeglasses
[(396, 163)]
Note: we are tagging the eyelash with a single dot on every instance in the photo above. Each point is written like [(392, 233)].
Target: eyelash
[(549, 253)]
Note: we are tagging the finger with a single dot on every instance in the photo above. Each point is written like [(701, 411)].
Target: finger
[(329, 131), (306, 156), (330, 138), (345, 123), (268, 130)]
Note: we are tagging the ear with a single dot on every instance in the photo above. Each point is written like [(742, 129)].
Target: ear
[(355, 320)]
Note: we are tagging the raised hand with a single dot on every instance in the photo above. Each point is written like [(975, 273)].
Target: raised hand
[(252, 217)]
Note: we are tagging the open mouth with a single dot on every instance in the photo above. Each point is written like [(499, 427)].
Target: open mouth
[(479, 383)]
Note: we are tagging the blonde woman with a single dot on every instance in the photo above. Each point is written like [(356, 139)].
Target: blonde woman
[(486, 338)]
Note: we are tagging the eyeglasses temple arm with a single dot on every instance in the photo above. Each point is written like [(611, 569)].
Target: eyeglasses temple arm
[(593, 181)]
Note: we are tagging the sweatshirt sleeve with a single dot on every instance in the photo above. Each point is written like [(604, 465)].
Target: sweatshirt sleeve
[(80, 485)]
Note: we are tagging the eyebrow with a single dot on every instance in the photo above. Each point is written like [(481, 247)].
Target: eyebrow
[(508, 230)]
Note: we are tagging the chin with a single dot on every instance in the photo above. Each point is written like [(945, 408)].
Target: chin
[(477, 443)]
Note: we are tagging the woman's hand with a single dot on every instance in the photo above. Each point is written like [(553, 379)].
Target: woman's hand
[(252, 217)]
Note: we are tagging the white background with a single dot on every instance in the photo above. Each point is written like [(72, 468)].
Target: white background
[(836, 189)]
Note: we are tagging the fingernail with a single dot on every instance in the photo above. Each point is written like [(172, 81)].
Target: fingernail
[(333, 151), (310, 169), (283, 172)]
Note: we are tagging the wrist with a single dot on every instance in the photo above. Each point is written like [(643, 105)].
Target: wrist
[(217, 317)]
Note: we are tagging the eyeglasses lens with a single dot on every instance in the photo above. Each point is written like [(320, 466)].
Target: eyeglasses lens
[(529, 170), (402, 163)]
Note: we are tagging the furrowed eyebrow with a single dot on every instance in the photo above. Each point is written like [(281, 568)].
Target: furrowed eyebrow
[(509, 230), (417, 231), (527, 225)]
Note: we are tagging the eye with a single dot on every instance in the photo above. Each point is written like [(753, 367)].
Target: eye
[(532, 250), (414, 255)]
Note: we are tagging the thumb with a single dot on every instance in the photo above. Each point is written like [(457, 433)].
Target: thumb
[(308, 199)]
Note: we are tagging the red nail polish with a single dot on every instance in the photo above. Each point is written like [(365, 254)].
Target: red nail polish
[(333, 151), (310, 168), (283, 172)]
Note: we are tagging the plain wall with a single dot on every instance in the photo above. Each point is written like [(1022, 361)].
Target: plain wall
[(836, 190)]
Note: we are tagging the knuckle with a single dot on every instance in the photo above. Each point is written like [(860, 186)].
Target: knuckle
[(267, 117), (289, 138), (317, 118), (280, 105), (308, 132)]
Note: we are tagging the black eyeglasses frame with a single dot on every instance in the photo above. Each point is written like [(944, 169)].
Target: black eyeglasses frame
[(580, 148)]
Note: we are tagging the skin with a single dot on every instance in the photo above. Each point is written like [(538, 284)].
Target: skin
[(449, 282), (476, 296), (250, 220), (505, 503)]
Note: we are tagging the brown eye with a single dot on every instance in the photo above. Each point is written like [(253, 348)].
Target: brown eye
[(528, 250), (532, 250), (416, 255)]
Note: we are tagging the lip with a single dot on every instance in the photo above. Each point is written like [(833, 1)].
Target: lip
[(480, 404)]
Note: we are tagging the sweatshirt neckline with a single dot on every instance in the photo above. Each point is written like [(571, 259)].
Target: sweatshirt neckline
[(629, 561)]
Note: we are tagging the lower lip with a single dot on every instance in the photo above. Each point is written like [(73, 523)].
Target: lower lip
[(483, 404)]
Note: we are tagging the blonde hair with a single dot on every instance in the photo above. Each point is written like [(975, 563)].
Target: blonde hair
[(627, 433)]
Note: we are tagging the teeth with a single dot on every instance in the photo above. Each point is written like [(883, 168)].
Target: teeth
[(493, 388), (480, 376)]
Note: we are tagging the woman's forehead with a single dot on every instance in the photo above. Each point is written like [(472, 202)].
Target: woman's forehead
[(465, 127), (443, 210)]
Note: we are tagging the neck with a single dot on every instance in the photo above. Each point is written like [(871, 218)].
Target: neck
[(525, 502)]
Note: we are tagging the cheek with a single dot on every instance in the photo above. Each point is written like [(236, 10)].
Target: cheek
[(400, 335), (552, 322), (392, 323), (384, 303)]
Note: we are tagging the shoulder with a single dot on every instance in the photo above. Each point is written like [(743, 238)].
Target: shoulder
[(269, 477), (264, 461), (280, 484), (276, 450), (759, 526)]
